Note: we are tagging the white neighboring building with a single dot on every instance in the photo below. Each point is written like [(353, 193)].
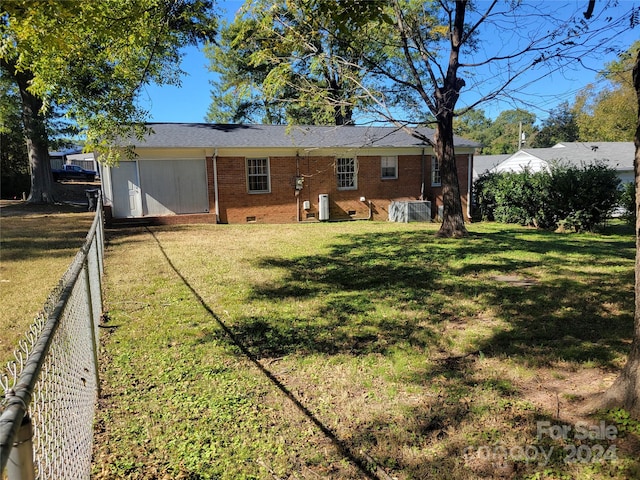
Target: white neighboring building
[(616, 155), (486, 163), (74, 156), (85, 160)]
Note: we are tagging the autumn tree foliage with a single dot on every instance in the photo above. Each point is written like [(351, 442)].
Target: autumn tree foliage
[(608, 114)]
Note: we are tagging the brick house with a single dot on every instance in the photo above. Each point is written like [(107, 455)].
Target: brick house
[(185, 172)]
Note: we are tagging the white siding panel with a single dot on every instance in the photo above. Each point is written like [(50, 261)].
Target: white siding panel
[(518, 164), (174, 186)]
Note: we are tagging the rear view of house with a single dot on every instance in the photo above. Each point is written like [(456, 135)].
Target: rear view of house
[(277, 174)]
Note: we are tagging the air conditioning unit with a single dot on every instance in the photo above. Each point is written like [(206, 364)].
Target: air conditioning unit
[(323, 207), (410, 211)]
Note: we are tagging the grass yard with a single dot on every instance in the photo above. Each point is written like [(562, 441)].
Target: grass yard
[(363, 350), (37, 245)]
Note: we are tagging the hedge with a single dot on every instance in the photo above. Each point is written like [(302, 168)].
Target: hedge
[(574, 198)]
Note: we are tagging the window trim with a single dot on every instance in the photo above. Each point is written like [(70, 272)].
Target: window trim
[(436, 176), (353, 173), (255, 175), (395, 167)]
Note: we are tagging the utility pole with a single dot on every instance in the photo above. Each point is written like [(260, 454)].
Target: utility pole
[(521, 137)]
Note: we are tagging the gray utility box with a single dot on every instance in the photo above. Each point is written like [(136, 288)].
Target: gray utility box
[(410, 211)]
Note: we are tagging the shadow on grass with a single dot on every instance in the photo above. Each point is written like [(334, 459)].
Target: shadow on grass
[(23, 237), (343, 447), (579, 310), (376, 293)]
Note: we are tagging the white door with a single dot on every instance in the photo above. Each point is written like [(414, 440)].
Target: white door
[(127, 201)]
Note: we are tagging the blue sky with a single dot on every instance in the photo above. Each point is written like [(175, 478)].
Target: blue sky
[(190, 101)]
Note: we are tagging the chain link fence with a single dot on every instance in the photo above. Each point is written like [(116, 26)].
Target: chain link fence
[(51, 388)]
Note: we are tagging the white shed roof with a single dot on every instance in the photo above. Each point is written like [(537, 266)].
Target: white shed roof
[(616, 155)]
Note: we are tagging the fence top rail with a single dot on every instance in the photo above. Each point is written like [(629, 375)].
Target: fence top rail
[(20, 381)]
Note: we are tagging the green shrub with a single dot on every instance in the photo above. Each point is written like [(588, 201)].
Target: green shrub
[(484, 189), (513, 197), (583, 198), (575, 198), (516, 198)]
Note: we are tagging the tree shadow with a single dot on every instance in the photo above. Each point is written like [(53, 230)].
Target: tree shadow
[(377, 293), (23, 239), (579, 311)]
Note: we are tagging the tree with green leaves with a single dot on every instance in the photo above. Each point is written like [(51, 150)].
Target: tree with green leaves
[(279, 64), (559, 126), (91, 59), (505, 135), (408, 57), (500, 135), (474, 125), (14, 166)]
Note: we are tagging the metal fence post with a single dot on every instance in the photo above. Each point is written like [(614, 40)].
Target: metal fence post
[(100, 233), (20, 464), (92, 325), (99, 260)]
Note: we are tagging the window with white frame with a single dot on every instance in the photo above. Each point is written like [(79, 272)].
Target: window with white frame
[(389, 167), (436, 179), (258, 175), (347, 173)]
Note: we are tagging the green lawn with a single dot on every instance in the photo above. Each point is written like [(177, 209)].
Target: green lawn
[(37, 245), (362, 350)]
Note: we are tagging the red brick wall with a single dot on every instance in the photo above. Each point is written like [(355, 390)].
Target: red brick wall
[(284, 204), (435, 193)]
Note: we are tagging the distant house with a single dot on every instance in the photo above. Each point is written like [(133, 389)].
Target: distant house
[(186, 172), (85, 160), (485, 163), (616, 155), (73, 156)]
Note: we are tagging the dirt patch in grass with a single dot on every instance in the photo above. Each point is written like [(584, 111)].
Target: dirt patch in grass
[(568, 392)]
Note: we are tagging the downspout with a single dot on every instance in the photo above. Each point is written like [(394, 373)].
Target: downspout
[(422, 173), (298, 216), (469, 185), (215, 184)]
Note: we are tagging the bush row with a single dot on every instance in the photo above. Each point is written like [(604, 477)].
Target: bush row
[(565, 196)]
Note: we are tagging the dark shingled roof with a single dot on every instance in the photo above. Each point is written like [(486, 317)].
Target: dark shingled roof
[(206, 135)]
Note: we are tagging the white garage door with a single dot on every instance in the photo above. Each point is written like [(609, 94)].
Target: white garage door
[(173, 187)]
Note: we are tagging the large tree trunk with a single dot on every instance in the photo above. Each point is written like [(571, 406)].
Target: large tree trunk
[(625, 391), (452, 217), (446, 98), (37, 142)]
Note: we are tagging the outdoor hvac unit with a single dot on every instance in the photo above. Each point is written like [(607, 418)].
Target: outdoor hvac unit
[(323, 207), (410, 211)]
